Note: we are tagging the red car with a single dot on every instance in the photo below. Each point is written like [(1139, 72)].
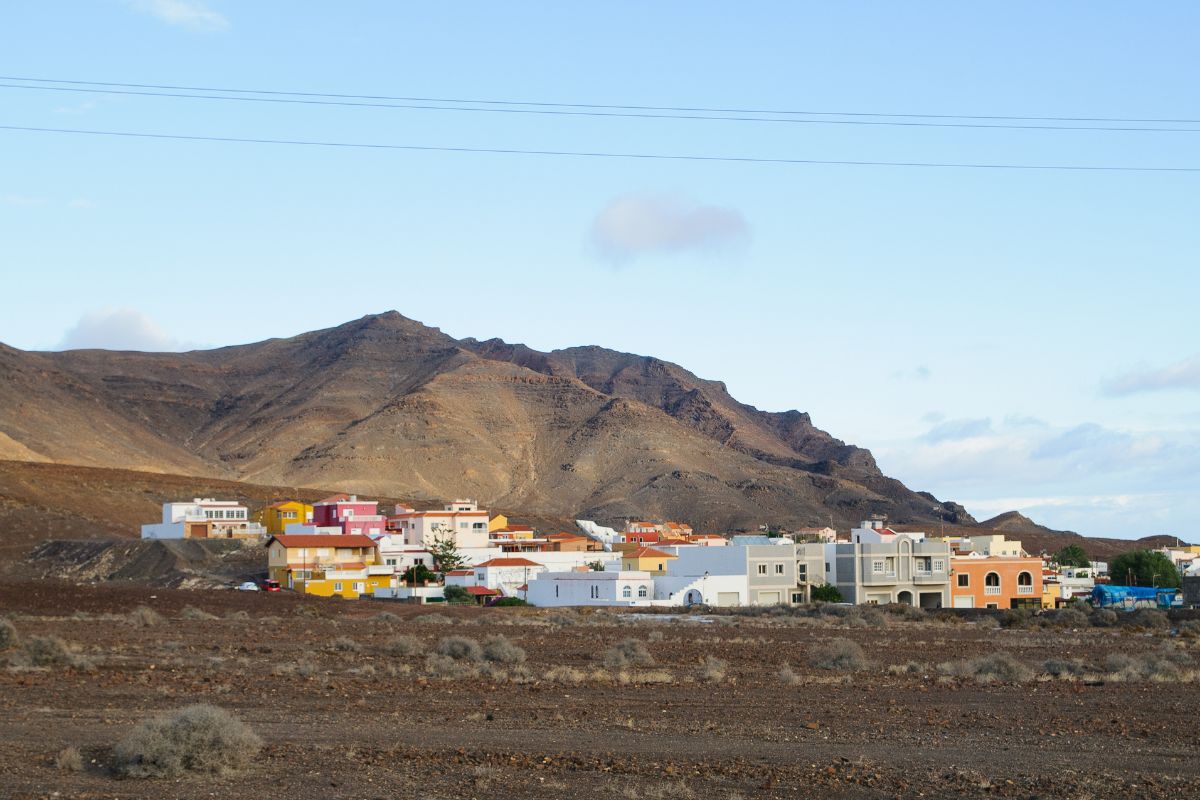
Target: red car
[(270, 586)]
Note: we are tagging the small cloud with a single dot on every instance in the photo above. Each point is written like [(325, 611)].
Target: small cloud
[(118, 329), (192, 14), (1182, 375), (955, 429), (933, 417), (640, 224)]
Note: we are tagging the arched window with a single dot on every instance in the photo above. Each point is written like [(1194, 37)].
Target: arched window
[(1024, 579), (642, 591), (627, 592), (992, 579)]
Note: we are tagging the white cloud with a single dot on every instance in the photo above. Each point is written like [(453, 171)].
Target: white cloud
[(640, 224), (958, 429), (118, 329), (1183, 374), (192, 14)]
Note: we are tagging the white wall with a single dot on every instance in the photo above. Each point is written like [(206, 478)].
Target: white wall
[(552, 589), (169, 530)]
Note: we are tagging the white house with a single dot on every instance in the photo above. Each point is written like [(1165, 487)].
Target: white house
[(751, 570), (507, 575), (590, 588), (461, 520), (203, 518)]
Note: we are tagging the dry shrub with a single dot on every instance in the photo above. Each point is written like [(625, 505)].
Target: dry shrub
[(1188, 629), (906, 612), (69, 759), (907, 668), (460, 648), (446, 668), (306, 611), (403, 646), (628, 653), (432, 619), (565, 674), (839, 654), (1147, 618), (8, 634), (1105, 618), (654, 636), (241, 615), (995, 667), (1158, 667), (788, 676), (196, 614), (713, 669), (195, 739), (563, 619), (1017, 618), (144, 617), (645, 677), (502, 650), (987, 622), (51, 651), (344, 644), (301, 669), (1070, 618), (386, 618), (1065, 668), (674, 790)]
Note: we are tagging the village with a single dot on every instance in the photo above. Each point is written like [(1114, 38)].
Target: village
[(345, 547)]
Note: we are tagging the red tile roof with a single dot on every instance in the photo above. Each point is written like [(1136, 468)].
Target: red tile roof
[(461, 572), (508, 562), (648, 552), (481, 591), (322, 540)]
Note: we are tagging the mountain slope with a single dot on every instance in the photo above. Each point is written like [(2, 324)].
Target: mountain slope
[(388, 406)]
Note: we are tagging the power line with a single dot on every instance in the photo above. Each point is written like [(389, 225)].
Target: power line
[(598, 110), (598, 154)]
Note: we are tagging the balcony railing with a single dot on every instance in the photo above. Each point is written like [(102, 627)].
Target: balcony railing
[(1023, 589), (991, 590)]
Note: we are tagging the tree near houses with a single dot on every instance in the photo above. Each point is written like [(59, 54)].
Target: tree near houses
[(445, 554), (827, 593), (1072, 556), (1144, 568)]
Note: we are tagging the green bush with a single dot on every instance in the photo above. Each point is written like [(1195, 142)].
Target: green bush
[(196, 739), (509, 601), (457, 594), (826, 593), (1144, 568)]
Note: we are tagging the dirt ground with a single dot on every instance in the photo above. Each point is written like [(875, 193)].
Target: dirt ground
[(344, 717)]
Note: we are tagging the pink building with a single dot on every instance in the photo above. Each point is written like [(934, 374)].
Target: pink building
[(352, 515)]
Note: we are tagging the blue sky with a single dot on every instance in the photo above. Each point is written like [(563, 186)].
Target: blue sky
[(1007, 339)]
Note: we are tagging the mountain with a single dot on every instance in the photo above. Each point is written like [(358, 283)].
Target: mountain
[(385, 405)]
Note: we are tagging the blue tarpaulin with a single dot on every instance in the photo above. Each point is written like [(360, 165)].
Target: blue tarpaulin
[(1108, 595)]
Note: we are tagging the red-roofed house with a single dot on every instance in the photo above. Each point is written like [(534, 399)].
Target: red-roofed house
[(646, 559), (506, 574), (326, 565), (460, 520)]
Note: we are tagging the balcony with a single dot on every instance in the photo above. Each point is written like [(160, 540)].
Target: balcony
[(1022, 589), (991, 590)]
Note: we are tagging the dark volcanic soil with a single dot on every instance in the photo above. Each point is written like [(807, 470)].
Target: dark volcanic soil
[(359, 723)]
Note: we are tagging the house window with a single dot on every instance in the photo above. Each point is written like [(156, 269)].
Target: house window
[(964, 580), (358, 587), (801, 572), (627, 592), (992, 579), (660, 568), (1024, 579), (556, 590), (779, 569), (939, 565), (762, 569), (877, 567), (462, 525), (391, 562), (478, 526), (337, 587), (642, 591)]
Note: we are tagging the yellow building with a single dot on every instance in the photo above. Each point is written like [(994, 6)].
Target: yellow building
[(277, 516), (497, 523), (347, 583), (304, 561), (646, 559)]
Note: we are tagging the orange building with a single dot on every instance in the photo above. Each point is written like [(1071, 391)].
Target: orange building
[(995, 582)]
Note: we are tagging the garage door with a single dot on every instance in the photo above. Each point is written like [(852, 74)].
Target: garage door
[(769, 598), (964, 602), (727, 598)]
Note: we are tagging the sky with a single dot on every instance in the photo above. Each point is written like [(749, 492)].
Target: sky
[(1009, 339)]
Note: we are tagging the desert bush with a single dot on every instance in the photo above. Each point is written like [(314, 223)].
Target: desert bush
[(386, 618), (838, 654), (872, 617), (1070, 618), (1147, 618), (1017, 618), (835, 609), (240, 615), (996, 667), (713, 669), (565, 674), (460, 648), (403, 646), (987, 622), (1145, 667), (1188, 629), (788, 676), (144, 617), (51, 651), (195, 739), (906, 612), (8, 634), (1104, 618), (301, 669), (444, 667), (344, 644), (654, 636), (907, 668), (1065, 668), (508, 602), (562, 620), (502, 650), (432, 619), (195, 614), (69, 759), (628, 653), (306, 611), (457, 594)]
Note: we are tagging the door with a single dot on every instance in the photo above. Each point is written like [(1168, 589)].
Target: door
[(964, 602), (727, 598), (769, 598)]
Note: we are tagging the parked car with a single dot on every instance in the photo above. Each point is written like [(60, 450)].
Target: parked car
[(270, 586), (248, 586)]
